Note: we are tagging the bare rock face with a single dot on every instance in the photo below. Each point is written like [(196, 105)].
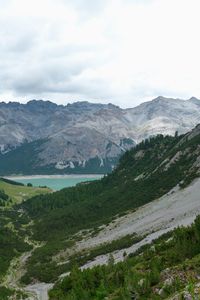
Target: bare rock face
[(72, 135)]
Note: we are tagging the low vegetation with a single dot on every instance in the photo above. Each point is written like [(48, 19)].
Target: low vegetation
[(168, 266), (4, 198), (11, 238), (51, 270)]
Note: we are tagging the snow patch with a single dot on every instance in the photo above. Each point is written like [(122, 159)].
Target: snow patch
[(71, 165), (101, 162), (60, 165)]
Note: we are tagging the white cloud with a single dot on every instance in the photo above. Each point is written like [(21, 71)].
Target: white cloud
[(123, 51)]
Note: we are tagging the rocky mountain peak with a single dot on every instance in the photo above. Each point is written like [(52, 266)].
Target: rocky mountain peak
[(84, 131), (160, 98), (88, 107), (10, 104), (194, 100), (40, 105)]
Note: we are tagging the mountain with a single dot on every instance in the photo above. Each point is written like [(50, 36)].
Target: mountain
[(150, 192), (146, 173), (42, 137)]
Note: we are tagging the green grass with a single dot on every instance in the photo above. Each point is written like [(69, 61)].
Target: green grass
[(19, 193), (12, 223)]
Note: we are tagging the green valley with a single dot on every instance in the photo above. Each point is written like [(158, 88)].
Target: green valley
[(18, 193), (104, 221)]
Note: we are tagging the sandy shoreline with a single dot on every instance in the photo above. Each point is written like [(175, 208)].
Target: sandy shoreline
[(55, 176)]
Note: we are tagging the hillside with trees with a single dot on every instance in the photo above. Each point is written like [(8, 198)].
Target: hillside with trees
[(57, 222), (167, 269), (144, 173)]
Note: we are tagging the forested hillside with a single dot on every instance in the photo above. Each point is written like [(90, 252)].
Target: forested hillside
[(54, 224), (144, 173), (167, 269)]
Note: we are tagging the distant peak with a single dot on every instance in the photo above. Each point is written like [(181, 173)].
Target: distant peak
[(110, 105), (81, 103), (194, 99), (90, 106), (40, 103), (160, 98)]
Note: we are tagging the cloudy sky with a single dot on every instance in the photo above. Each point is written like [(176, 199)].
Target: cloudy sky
[(120, 51)]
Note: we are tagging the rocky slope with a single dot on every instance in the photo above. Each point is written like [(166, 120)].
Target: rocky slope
[(83, 137)]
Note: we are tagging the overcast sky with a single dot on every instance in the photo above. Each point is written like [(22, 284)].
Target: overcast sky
[(119, 51)]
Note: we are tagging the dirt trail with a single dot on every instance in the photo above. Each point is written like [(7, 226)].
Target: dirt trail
[(16, 271), (40, 290)]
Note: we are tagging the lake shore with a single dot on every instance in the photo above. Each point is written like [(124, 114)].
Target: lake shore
[(67, 176)]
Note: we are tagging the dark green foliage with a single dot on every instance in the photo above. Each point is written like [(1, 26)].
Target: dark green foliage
[(11, 181), (155, 268), (5, 293), (11, 242), (21, 160), (8, 294), (3, 198), (3, 195), (137, 276)]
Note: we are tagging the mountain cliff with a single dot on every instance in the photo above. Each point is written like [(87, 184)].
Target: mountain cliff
[(42, 137)]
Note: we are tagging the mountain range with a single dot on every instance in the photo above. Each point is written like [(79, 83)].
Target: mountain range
[(42, 137)]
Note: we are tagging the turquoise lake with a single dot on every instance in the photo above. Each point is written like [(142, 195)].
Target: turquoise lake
[(57, 183)]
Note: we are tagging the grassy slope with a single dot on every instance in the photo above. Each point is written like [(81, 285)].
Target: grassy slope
[(20, 193), (13, 231)]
